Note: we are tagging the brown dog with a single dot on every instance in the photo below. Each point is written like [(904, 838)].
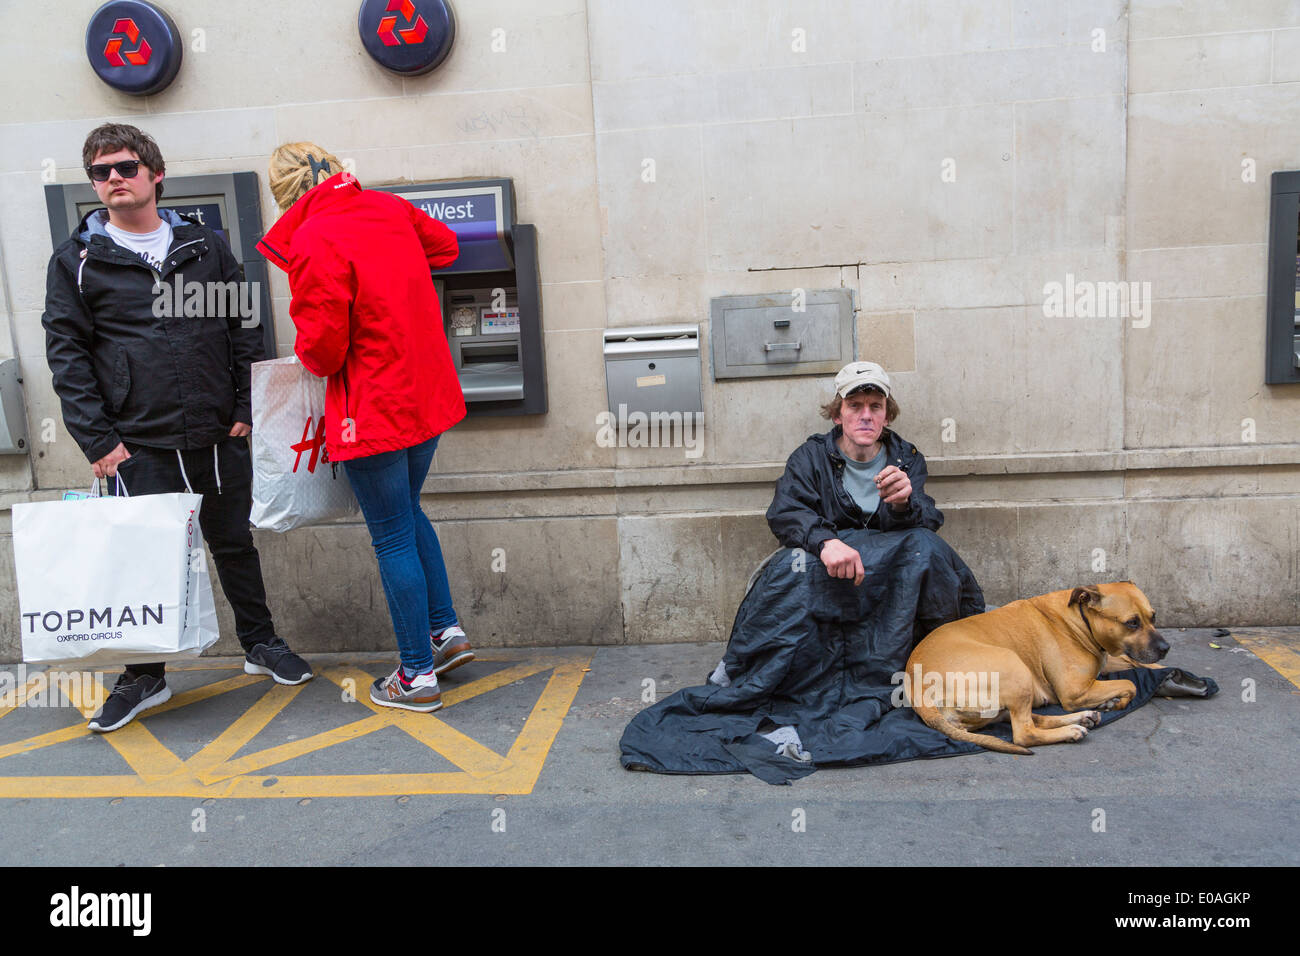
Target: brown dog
[(1027, 654)]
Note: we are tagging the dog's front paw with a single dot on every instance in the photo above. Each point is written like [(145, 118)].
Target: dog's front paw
[(1077, 732), (1090, 718)]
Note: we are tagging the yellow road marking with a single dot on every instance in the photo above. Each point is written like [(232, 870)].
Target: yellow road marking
[(465, 752), (142, 750), (1278, 649), (534, 741), (87, 706), (44, 740), (294, 748), (458, 695), (250, 723), (212, 772)]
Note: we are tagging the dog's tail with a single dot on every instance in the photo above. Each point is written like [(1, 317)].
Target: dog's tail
[(935, 719)]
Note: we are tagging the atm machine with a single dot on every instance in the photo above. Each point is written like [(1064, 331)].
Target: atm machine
[(491, 296)]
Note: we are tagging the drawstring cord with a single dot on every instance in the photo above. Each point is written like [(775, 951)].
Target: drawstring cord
[(216, 468), (184, 477)]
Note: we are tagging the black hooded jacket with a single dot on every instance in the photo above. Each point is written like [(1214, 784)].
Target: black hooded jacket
[(125, 365), (811, 505)]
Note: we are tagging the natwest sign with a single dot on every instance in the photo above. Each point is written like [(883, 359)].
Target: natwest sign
[(409, 37), (134, 46)]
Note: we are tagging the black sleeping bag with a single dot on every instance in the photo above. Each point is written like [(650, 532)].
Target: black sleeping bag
[(816, 653)]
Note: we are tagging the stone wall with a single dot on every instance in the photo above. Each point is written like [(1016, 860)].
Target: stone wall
[(945, 160)]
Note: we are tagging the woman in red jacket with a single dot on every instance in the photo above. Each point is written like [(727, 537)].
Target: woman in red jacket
[(368, 320)]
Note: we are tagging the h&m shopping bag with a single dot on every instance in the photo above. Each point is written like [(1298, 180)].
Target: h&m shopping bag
[(105, 580), (294, 483)]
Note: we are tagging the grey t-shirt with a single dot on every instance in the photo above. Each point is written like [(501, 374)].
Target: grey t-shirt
[(859, 481)]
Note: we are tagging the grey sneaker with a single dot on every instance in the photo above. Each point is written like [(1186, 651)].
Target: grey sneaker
[(420, 693), (131, 695), (276, 660), (450, 649)]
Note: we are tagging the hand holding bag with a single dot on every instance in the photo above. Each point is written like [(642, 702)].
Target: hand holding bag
[(113, 580), (294, 483)]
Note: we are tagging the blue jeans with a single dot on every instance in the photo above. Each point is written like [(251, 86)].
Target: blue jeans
[(387, 487)]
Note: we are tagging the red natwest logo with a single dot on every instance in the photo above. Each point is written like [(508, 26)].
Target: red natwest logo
[(413, 34), (312, 444), (137, 57)]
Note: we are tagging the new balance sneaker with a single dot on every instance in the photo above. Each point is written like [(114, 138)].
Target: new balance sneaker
[(450, 649), (132, 694), (275, 658), (419, 693)]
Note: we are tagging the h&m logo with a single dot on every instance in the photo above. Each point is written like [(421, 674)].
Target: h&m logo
[(315, 444)]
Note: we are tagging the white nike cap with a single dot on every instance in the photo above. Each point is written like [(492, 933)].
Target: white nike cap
[(857, 374)]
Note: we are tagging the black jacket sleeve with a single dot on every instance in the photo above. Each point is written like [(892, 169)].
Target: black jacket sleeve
[(69, 333), (794, 515), (245, 334), (921, 510)]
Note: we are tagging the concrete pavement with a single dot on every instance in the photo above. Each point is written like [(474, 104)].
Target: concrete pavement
[(522, 767)]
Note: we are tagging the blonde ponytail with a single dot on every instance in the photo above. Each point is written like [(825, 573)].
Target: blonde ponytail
[(297, 167)]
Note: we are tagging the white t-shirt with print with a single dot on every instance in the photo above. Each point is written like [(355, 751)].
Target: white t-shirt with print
[(150, 246)]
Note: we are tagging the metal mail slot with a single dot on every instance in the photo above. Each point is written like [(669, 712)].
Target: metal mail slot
[(653, 368)]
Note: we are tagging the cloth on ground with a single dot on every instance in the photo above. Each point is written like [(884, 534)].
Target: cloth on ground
[(816, 654), (788, 744)]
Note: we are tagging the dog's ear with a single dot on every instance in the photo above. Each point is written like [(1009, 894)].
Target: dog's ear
[(1088, 594)]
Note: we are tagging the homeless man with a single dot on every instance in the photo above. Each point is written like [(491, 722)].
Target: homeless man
[(829, 620), (860, 474), (160, 402)]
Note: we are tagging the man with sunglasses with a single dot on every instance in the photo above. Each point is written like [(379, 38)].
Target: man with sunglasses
[(160, 401)]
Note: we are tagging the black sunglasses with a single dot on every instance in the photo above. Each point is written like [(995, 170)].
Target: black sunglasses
[(127, 169)]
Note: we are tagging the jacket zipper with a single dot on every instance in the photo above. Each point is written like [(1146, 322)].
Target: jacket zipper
[(179, 248), (845, 499), (157, 274)]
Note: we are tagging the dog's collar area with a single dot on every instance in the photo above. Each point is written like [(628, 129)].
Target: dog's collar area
[(1088, 625)]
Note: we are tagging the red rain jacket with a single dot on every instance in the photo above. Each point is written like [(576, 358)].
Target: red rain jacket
[(367, 314)]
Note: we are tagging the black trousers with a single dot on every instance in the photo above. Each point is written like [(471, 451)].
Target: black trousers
[(223, 518)]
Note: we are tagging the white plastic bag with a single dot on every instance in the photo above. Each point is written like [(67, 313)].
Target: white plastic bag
[(113, 580), (294, 483)]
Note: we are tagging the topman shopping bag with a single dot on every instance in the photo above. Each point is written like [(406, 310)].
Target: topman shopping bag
[(113, 580), (294, 483)]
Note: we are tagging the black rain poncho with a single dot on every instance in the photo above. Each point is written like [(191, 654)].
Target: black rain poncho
[(814, 653)]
